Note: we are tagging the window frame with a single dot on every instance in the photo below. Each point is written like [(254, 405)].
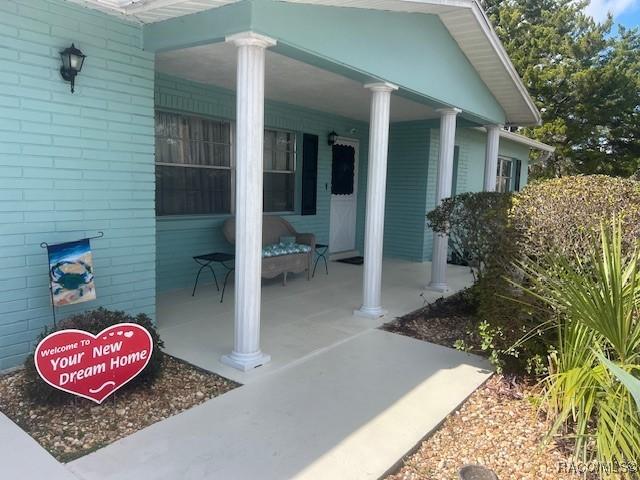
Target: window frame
[(232, 165), (284, 172), (500, 174), (231, 168)]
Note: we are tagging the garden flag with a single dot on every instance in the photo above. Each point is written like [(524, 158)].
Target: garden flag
[(71, 272)]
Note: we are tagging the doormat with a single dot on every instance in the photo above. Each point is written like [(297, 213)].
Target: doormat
[(352, 260)]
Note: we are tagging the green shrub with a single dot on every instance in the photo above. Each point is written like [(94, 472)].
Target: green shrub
[(564, 215), (477, 225), (559, 215), (94, 322), (596, 317)]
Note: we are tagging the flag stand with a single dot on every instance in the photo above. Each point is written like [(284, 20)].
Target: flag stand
[(53, 306)]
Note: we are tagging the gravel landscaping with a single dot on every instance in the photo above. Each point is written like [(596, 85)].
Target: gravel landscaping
[(441, 322), (74, 429), (499, 426)]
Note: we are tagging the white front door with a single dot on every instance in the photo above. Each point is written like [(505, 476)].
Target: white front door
[(344, 195)]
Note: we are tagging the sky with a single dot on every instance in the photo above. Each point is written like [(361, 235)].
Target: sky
[(626, 12)]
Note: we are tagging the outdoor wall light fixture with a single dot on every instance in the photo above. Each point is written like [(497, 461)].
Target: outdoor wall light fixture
[(332, 138), (72, 60)]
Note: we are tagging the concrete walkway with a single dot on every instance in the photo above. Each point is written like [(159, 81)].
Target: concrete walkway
[(347, 412), (22, 458)]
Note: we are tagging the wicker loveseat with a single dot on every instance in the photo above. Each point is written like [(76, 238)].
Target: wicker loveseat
[(273, 229)]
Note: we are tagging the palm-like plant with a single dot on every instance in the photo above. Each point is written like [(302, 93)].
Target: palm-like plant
[(596, 304)]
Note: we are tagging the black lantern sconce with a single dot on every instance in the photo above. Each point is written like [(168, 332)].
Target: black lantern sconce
[(72, 60), (332, 138)]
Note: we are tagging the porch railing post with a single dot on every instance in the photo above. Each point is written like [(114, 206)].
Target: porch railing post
[(246, 352), (376, 189), (491, 159), (440, 250)]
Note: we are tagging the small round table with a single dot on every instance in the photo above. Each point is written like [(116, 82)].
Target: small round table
[(321, 252), (205, 261)]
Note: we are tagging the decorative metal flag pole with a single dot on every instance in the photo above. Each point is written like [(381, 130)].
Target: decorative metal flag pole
[(70, 272)]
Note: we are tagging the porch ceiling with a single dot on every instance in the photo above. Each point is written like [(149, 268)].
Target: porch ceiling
[(286, 80)]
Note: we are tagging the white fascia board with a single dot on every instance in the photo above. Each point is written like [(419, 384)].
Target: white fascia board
[(521, 139), (486, 26)]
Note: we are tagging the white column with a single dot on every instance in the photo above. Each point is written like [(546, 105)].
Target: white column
[(443, 190), (376, 189), (246, 352), (491, 158)]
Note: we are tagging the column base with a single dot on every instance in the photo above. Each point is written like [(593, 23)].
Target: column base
[(245, 362), (370, 312), (438, 287)]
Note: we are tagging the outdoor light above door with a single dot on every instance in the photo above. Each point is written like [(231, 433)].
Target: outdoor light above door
[(331, 139), (72, 60)]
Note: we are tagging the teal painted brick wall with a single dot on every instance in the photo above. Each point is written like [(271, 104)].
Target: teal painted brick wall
[(180, 238), (71, 165)]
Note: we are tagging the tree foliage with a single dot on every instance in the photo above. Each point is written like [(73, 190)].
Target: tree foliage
[(584, 78)]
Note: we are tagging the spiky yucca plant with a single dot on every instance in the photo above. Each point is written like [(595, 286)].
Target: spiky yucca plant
[(596, 305)]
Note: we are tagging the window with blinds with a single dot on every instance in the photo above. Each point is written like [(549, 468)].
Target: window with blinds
[(193, 165), (195, 170)]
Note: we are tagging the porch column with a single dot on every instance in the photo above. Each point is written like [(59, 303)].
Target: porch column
[(443, 190), (246, 352), (491, 158), (376, 189)]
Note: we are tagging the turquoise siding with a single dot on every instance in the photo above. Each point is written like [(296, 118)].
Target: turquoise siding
[(519, 151), (180, 238), (71, 165), (407, 173), (411, 183)]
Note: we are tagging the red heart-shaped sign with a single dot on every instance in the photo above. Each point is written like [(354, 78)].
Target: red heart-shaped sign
[(93, 366)]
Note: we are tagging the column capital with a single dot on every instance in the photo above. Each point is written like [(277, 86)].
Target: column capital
[(494, 126), (381, 86), (251, 39), (448, 111)]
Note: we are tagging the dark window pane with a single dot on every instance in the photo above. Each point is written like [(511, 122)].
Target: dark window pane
[(279, 190), (169, 150), (182, 190), (506, 168)]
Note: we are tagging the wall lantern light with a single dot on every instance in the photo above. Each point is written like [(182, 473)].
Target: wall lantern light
[(332, 138), (72, 60)]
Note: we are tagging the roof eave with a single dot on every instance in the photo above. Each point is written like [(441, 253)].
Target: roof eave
[(492, 36)]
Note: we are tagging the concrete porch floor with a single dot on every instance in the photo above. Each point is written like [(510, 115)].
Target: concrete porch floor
[(298, 320)]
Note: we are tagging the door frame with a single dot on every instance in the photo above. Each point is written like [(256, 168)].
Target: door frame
[(355, 143)]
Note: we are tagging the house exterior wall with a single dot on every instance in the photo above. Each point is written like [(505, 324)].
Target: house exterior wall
[(72, 164), (179, 238), (407, 174), (412, 166), (470, 176), (411, 182)]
